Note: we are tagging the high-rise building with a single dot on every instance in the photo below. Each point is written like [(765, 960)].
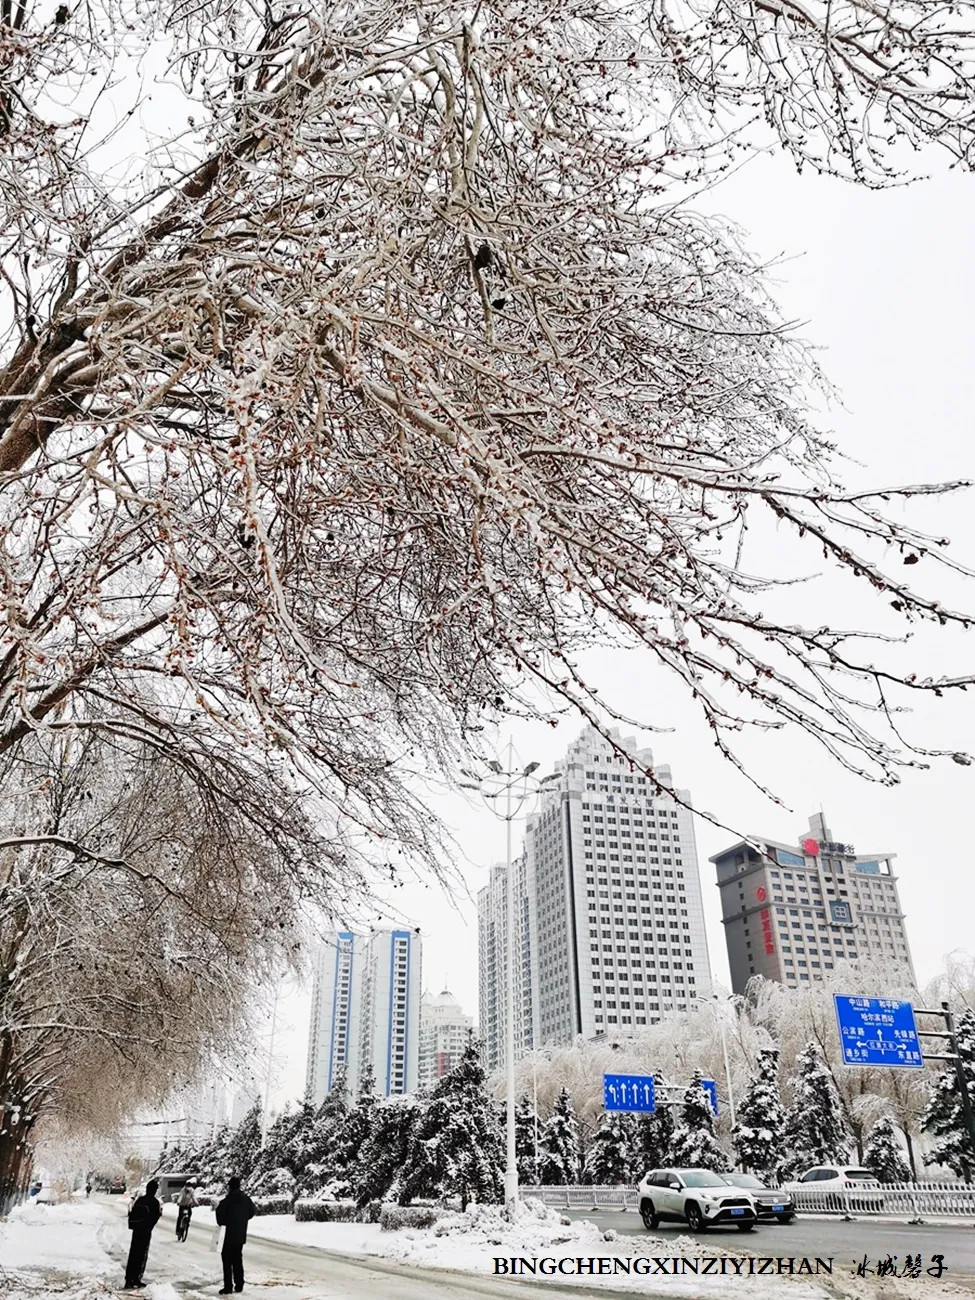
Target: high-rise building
[(365, 1012), (445, 1032), (492, 930), (608, 899), (791, 911), (336, 1000)]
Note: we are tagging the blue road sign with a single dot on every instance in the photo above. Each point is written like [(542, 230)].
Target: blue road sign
[(878, 1031), (711, 1088), (629, 1092)]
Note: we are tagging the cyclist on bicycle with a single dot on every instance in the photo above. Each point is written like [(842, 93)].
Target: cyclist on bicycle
[(186, 1203)]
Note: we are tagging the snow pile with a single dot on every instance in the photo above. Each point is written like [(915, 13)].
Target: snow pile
[(472, 1241), (162, 1291), (64, 1238)]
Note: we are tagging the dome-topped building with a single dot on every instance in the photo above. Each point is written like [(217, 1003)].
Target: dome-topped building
[(444, 1033)]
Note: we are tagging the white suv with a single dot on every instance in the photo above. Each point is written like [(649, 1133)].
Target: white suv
[(861, 1188), (697, 1197)]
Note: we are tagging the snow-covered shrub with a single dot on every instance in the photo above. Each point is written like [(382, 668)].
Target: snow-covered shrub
[(334, 1189), (273, 1204), (312, 1210), (274, 1182), (394, 1217)]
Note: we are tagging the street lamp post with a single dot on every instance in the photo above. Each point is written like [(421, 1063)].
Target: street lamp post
[(507, 791), (724, 1053), (270, 1065)]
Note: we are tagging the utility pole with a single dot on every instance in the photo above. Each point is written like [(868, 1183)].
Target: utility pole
[(270, 1065), (518, 786)]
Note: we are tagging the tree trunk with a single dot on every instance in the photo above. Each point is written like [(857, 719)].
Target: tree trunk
[(910, 1154)]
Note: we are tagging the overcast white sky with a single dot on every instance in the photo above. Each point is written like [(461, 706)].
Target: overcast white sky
[(884, 283)]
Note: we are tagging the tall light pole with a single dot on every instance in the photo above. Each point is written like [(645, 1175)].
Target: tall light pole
[(724, 1051), (507, 791), (270, 1065)]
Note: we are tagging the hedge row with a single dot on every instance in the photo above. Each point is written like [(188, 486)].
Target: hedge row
[(273, 1204), (392, 1217), (389, 1217), (309, 1211)]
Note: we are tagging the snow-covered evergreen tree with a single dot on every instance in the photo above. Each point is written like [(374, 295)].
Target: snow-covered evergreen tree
[(240, 1152), (944, 1117), (377, 1171), (316, 1163), (527, 1126), (613, 1154), (284, 1143), (815, 1131), (694, 1143), (559, 1144), (883, 1153), (757, 1134), (654, 1140), (457, 1148)]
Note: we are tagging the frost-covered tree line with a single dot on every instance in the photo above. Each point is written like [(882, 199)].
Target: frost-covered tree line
[(793, 1111), (357, 373), (796, 1104), (444, 1142)]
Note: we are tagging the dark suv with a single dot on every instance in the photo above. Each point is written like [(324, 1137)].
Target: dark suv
[(697, 1197)]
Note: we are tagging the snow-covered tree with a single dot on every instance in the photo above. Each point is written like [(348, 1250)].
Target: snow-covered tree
[(318, 1159), (380, 1163), (243, 1144), (284, 1143), (760, 1119), (300, 474), (457, 1148), (654, 1139), (694, 1142), (815, 1131), (944, 1117), (528, 1131), (560, 1153), (883, 1153), (613, 1155)]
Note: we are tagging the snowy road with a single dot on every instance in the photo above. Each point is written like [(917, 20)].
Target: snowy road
[(812, 1236), (305, 1273)]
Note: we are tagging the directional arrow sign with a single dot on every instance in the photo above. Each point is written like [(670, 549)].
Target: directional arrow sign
[(632, 1092), (878, 1031)]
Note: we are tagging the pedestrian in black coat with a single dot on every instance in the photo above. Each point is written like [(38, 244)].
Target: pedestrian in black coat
[(232, 1214), (143, 1217)]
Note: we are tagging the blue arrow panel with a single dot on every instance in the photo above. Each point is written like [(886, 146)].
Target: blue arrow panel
[(633, 1092)]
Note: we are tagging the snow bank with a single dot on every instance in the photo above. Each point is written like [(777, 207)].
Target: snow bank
[(471, 1242), (344, 1238), (62, 1238)]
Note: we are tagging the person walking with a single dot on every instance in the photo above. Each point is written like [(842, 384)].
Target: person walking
[(144, 1214), (87, 1190), (186, 1204), (232, 1215)]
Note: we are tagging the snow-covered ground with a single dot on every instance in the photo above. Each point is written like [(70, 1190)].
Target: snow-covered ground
[(64, 1238), (62, 1253), (471, 1242)]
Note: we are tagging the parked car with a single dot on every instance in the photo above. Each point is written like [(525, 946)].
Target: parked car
[(861, 1188), (697, 1197), (117, 1188), (770, 1203)]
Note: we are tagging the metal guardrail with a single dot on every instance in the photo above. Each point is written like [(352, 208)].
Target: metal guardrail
[(912, 1200)]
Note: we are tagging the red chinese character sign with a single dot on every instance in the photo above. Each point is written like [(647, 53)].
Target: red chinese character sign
[(811, 847), (761, 893), (766, 917)]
